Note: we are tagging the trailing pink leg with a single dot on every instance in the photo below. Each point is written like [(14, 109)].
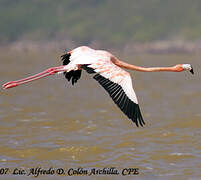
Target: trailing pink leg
[(48, 72)]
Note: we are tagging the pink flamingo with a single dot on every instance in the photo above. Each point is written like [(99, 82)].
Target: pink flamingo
[(108, 72)]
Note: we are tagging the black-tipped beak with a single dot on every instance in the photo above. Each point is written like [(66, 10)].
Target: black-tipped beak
[(192, 71)]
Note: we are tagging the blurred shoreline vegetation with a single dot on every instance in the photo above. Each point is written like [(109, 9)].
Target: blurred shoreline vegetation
[(129, 24)]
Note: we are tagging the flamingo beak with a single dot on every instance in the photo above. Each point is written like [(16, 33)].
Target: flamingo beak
[(192, 70)]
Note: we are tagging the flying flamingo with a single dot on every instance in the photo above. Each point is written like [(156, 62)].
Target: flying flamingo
[(107, 69)]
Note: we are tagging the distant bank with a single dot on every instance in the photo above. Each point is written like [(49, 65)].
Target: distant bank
[(156, 47)]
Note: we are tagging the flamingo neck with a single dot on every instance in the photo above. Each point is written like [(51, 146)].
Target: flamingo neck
[(122, 64)]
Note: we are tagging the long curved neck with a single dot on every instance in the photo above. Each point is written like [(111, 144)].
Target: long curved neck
[(144, 69)]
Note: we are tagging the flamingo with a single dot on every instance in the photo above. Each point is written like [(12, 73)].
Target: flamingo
[(107, 70)]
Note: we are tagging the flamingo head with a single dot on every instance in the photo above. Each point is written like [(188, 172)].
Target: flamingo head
[(188, 67)]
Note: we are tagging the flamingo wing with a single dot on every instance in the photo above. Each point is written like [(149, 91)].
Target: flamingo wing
[(80, 55), (112, 78), (72, 75), (118, 84)]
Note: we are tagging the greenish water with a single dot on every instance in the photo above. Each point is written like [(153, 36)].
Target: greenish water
[(49, 123)]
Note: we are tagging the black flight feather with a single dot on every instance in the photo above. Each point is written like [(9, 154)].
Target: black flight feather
[(74, 75), (116, 92)]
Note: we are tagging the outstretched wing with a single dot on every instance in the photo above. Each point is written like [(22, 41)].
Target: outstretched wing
[(118, 84), (74, 75)]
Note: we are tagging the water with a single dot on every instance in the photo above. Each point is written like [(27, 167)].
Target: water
[(49, 123)]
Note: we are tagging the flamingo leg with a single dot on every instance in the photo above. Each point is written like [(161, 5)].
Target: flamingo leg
[(47, 72)]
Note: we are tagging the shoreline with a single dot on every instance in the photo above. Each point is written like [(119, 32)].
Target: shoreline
[(156, 47)]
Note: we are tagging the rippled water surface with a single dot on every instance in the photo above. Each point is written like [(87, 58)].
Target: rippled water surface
[(49, 123)]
